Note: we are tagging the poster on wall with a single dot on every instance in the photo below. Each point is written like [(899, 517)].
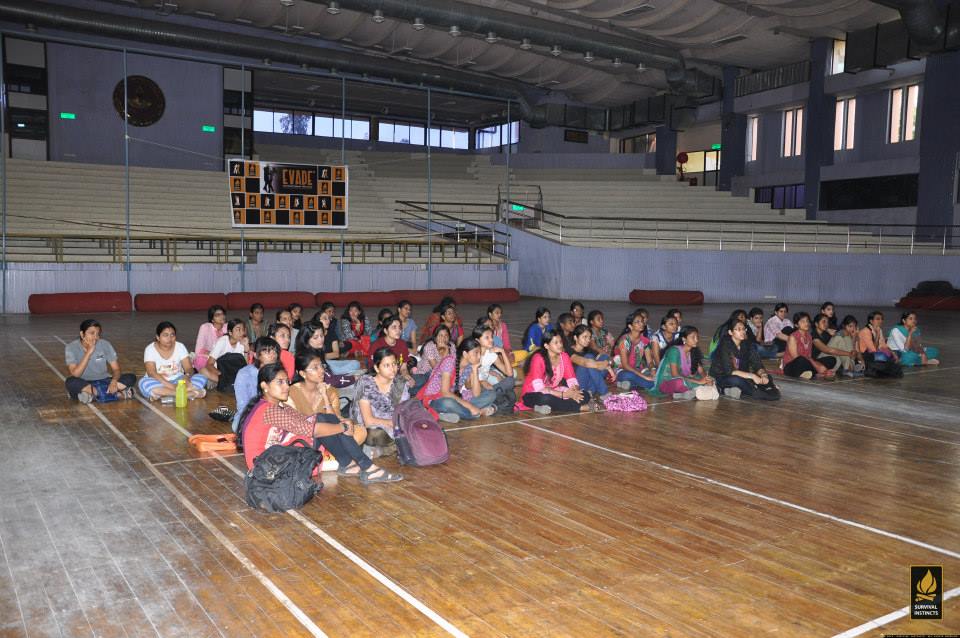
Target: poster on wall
[(287, 195)]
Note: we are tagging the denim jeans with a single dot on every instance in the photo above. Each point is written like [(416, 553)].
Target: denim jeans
[(452, 406), (343, 366), (635, 380), (593, 379), (766, 352)]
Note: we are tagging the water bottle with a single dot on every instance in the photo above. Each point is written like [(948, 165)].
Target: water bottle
[(181, 397)]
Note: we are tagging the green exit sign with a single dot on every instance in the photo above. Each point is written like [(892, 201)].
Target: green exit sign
[(68, 116), (715, 147), (206, 128), (517, 208)]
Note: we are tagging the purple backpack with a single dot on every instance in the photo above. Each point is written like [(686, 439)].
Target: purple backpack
[(420, 439)]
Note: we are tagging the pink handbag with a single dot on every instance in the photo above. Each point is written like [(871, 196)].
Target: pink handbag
[(625, 402)]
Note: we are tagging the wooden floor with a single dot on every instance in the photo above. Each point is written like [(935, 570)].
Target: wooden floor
[(728, 518)]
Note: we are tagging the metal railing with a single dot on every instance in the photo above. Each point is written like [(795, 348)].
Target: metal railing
[(472, 227), (525, 201), (749, 235), (785, 75)]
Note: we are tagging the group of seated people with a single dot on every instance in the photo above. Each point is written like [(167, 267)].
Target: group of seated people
[(337, 383)]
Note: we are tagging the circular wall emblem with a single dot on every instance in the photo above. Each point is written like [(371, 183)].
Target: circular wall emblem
[(145, 101)]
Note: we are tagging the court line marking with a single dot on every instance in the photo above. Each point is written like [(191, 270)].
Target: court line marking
[(550, 416), (265, 580), (877, 623), (406, 596), (770, 499), (213, 455)]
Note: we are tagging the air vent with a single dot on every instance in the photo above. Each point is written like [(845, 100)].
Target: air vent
[(643, 8), (729, 39)]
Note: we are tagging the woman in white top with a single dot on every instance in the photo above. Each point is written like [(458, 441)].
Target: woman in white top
[(235, 342), (166, 362), (778, 328)]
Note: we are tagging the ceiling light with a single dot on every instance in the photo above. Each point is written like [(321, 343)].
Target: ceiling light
[(286, 3), (588, 56), (525, 44), (418, 24), (491, 37), (333, 7), (555, 50), (454, 31), (641, 67), (617, 63), (378, 16)]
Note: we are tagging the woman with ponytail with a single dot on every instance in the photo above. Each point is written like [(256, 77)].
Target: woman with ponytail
[(267, 421), (550, 384), (681, 369), (454, 390)]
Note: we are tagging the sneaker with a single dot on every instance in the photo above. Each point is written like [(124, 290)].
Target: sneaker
[(733, 393), (623, 385), (85, 398), (490, 410), (689, 395), (806, 374), (449, 417), (542, 409)]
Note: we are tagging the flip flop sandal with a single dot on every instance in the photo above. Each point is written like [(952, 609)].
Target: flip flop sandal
[(384, 477)]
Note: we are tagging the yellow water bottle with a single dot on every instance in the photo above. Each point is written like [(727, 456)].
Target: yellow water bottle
[(181, 397)]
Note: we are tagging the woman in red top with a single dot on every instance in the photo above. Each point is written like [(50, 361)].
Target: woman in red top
[(798, 358), (551, 382), (267, 422)]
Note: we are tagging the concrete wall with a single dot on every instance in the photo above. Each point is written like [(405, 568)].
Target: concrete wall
[(273, 272), (81, 80), (550, 140), (577, 160), (569, 272)]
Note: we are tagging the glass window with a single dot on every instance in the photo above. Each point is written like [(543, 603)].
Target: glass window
[(385, 131), (323, 126), (461, 139), (753, 128), (282, 122), (910, 123), (446, 138), (361, 129), (792, 138), (843, 125), (838, 57), (434, 137), (302, 123), (263, 121), (416, 135), (401, 133), (904, 103)]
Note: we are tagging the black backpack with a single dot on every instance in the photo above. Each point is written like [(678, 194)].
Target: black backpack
[(282, 478)]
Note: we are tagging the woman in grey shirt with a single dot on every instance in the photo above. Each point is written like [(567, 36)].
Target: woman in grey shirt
[(93, 367)]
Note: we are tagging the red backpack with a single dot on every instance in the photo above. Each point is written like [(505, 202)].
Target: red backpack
[(420, 439)]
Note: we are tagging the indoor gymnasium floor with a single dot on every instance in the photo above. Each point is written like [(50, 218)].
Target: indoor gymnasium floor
[(726, 518)]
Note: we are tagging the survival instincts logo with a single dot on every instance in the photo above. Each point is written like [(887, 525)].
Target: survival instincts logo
[(926, 592)]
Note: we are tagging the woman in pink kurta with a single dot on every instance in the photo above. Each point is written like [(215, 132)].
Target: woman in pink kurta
[(208, 334), (551, 382)]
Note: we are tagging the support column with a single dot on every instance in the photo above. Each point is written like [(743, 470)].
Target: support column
[(818, 125), (939, 134), (733, 134), (666, 150)]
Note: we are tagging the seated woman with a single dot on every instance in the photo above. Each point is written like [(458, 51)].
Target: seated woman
[(434, 350), (285, 317), (379, 392), (631, 358), (93, 366), (577, 310), (390, 331), (827, 308), (601, 341), (737, 315), (408, 327), (798, 358), (256, 326), (550, 382), (736, 367), (296, 314), (454, 391), (755, 328), (496, 368), (904, 340), (501, 335), (434, 320), (870, 340), (355, 329), (676, 314), (845, 341), (565, 326), (229, 354), (533, 335), (381, 315), (331, 346), (778, 327), (681, 368), (167, 362), (213, 329), (266, 352), (592, 370), (829, 357), (663, 339), (267, 421), (280, 332)]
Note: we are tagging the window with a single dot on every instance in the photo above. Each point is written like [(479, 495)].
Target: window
[(753, 132), (903, 113), (844, 124), (838, 56), (25, 79), (263, 121), (791, 144), (494, 136), (646, 143)]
